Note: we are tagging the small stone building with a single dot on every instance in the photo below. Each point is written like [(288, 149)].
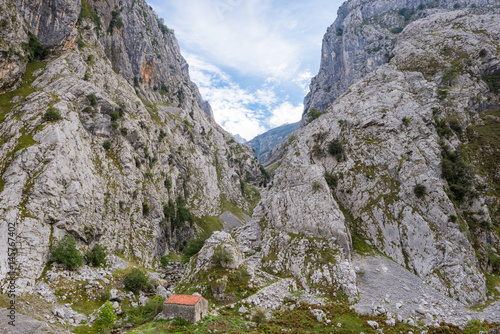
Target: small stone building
[(190, 308)]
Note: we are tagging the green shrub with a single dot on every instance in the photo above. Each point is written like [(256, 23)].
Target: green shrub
[(92, 99), (420, 190), (340, 31), (135, 280), (331, 180), (456, 126), (493, 81), (456, 6), (65, 253), (116, 21), (313, 114), (316, 186), (97, 255), (52, 114), (90, 58), (143, 314), (35, 49), (475, 326), (115, 115), (259, 318), (406, 121), (106, 144), (88, 12), (449, 75), (105, 319), (192, 248), (396, 30), (483, 53), (168, 183), (318, 151), (335, 148), (145, 209), (442, 127), (222, 257), (87, 109), (164, 260)]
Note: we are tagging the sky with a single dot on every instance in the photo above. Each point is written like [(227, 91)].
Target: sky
[(253, 60)]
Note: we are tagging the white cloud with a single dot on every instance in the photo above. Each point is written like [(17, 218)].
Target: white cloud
[(286, 113), (252, 59)]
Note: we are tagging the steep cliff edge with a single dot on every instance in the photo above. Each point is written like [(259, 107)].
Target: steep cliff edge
[(395, 162), (107, 139)]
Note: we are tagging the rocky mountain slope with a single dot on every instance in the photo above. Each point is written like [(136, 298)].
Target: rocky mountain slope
[(106, 138), (398, 162), (264, 143)]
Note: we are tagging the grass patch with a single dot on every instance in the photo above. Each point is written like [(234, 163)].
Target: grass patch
[(23, 91), (208, 225), (483, 148)]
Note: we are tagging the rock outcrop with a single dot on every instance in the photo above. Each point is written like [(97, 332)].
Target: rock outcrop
[(90, 148), (13, 34), (383, 168)]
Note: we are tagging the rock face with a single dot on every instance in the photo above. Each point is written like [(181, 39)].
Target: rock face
[(53, 22), (381, 168), (362, 38), (13, 33), (123, 163)]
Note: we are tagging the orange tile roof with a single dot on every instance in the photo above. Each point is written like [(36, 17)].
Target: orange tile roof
[(183, 299)]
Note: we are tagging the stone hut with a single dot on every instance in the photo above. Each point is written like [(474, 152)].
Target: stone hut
[(190, 308)]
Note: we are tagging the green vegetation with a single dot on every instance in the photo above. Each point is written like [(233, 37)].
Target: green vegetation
[(142, 314), (65, 253), (313, 114), (316, 186), (449, 75), (116, 21), (222, 257), (407, 13), (456, 172), (36, 51), (164, 260), (331, 180), (145, 209), (177, 214), (336, 148), (106, 318), (164, 29), (192, 248), (442, 127), (483, 149), (419, 190), (168, 183), (493, 82), (92, 99), (97, 256), (396, 30), (339, 31), (475, 326), (236, 281), (106, 144), (456, 6), (136, 280), (88, 12), (52, 114), (406, 121)]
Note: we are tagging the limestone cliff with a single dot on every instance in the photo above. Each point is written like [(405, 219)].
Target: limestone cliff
[(396, 163), (108, 137)]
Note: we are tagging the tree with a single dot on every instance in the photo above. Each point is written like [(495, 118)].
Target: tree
[(106, 318), (97, 255), (65, 253), (135, 280)]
